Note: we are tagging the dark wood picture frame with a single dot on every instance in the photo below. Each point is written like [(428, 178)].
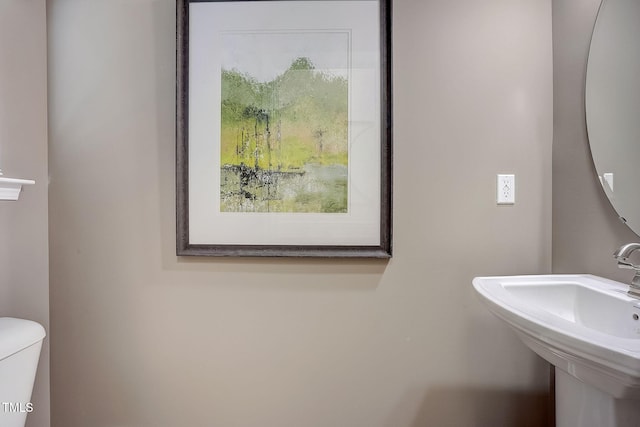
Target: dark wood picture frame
[(184, 244)]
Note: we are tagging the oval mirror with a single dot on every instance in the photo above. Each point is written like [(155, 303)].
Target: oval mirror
[(612, 101)]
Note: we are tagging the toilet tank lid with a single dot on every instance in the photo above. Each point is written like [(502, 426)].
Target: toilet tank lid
[(18, 334)]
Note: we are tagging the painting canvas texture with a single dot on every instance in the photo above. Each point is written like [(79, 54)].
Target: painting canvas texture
[(284, 134)]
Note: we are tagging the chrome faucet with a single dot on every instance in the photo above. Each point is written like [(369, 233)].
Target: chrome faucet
[(622, 255)]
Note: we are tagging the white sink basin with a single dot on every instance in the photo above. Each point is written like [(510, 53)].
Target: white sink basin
[(583, 324)]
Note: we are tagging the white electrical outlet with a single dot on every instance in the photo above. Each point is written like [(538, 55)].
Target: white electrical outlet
[(506, 189), (608, 178)]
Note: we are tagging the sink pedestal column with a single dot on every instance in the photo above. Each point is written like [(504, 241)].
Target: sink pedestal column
[(581, 405)]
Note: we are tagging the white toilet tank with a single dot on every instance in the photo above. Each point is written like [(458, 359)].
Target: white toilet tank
[(20, 344)]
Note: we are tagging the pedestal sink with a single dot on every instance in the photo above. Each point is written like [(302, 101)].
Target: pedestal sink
[(589, 329)]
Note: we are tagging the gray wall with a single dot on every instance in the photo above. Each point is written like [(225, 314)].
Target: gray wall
[(24, 249), (143, 338), (586, 229)]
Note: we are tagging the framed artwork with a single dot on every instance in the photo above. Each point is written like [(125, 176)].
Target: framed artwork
[(284, 142)]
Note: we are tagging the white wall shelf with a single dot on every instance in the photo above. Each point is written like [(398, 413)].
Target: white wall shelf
[(10, 187)]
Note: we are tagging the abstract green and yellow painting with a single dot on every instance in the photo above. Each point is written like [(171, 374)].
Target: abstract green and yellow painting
[(285, 122)]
